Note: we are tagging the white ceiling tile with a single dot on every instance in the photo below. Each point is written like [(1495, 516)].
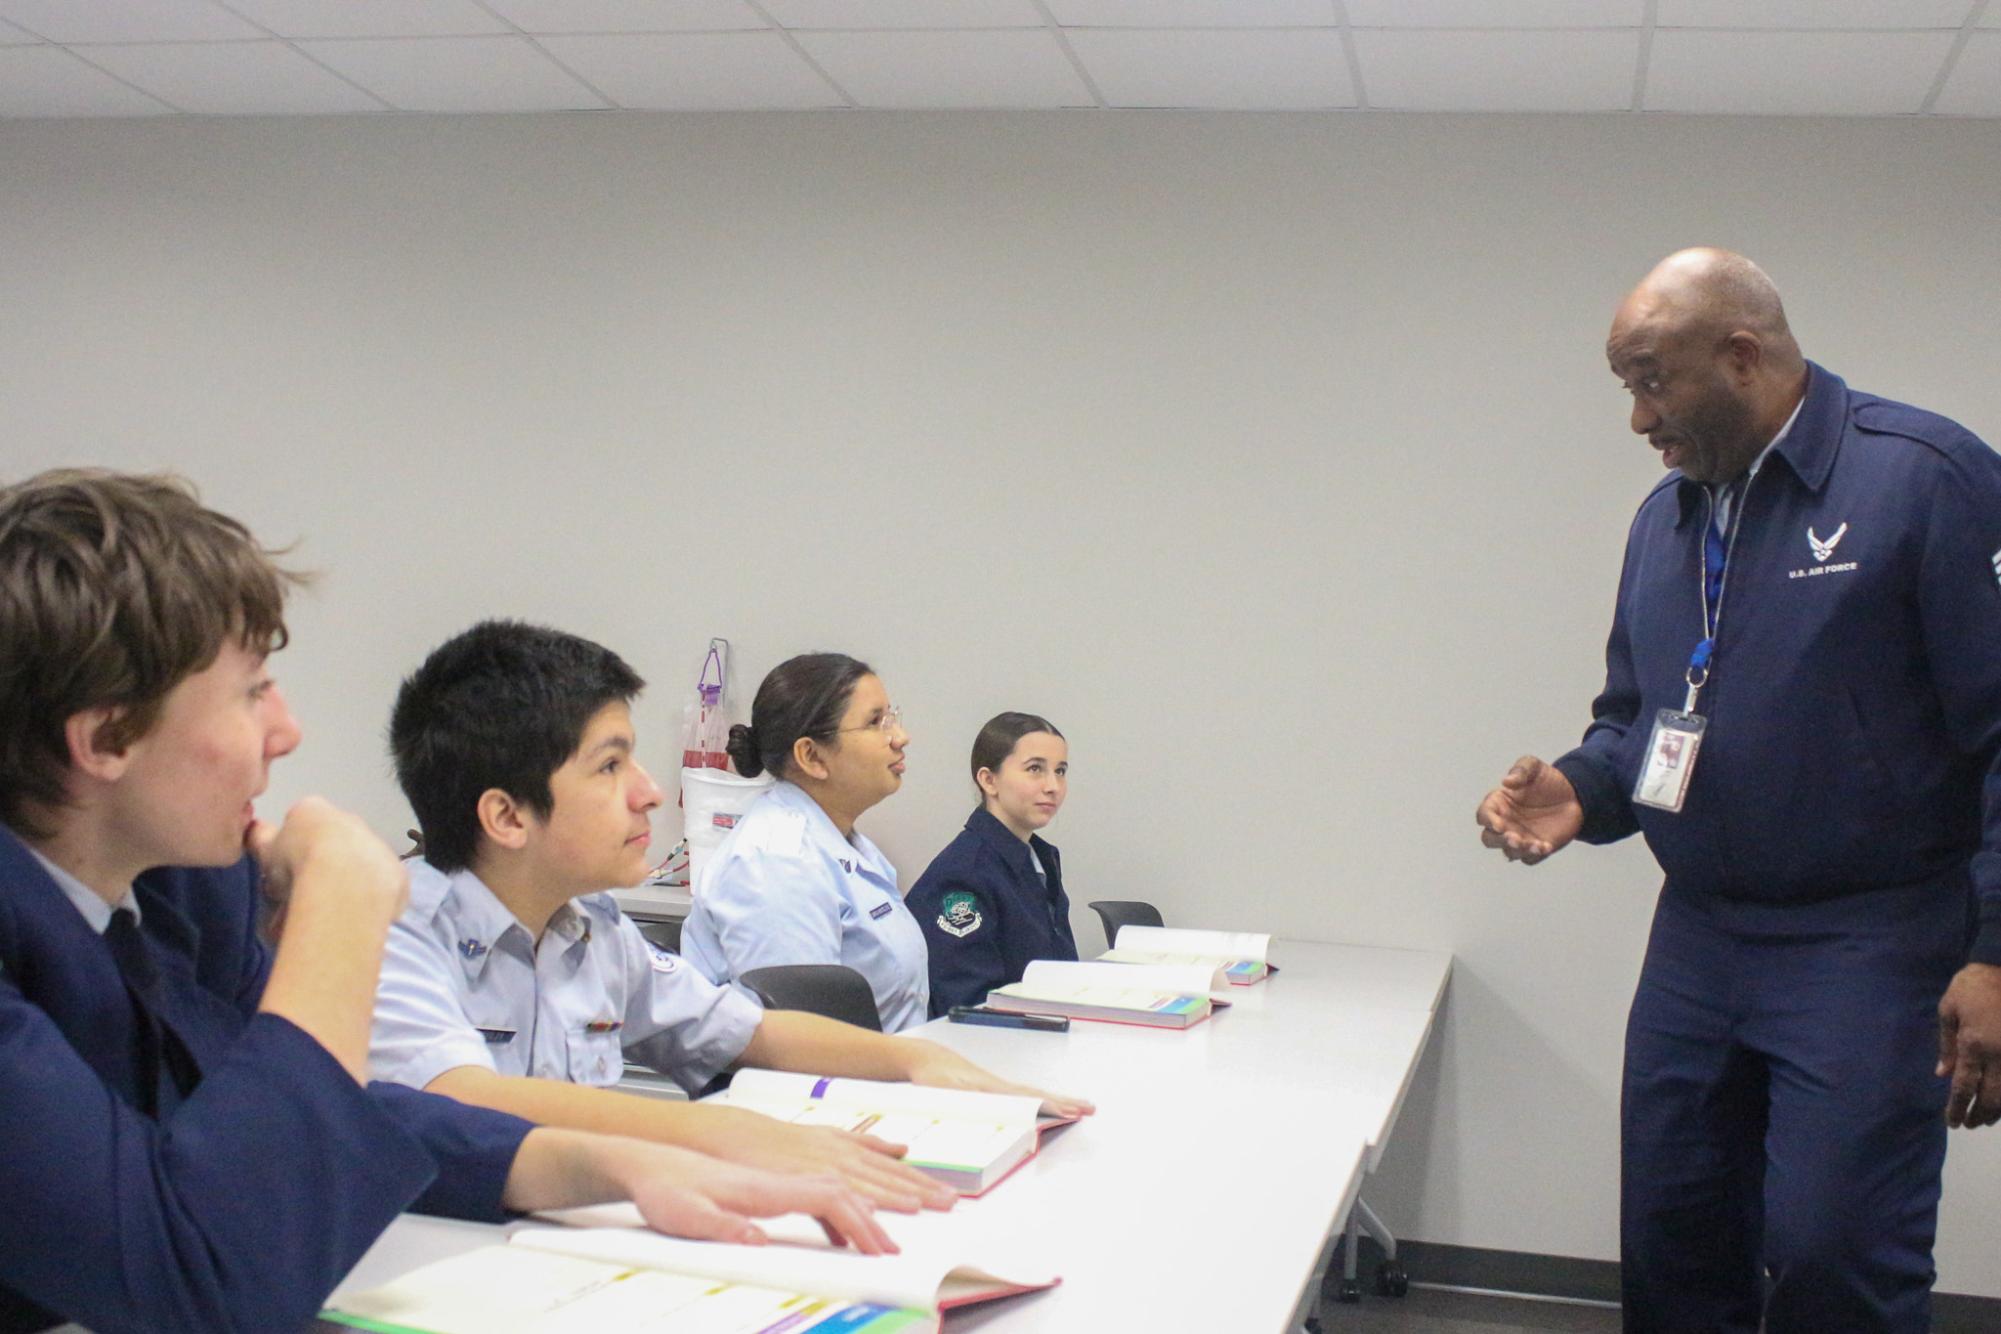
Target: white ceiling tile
[(459, 74), (370, 18), (1794, 73), (233, 78), (13, 36), (1496, 13), (126, 20), (539, 16), (1194, 13), (726, 71), (948, 69), (904, 13), (1498, 71), (1975, 86), (1812, 13), (49, 81), (1238, 70)]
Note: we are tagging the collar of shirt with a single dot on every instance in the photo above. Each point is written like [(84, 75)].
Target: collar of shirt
[(1017, 853), (1726, 494), (479, 921), (87, 900), (1807, 441)]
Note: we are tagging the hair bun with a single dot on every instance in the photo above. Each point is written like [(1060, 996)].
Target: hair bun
[(742, 750)]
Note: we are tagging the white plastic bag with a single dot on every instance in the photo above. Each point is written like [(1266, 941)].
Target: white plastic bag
[(712, 802)]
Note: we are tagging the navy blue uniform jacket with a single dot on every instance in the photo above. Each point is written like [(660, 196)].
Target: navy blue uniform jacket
[(1855, 701), (985, 912), (242, 1205)]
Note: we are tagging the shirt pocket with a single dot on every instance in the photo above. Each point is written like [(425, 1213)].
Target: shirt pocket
[(596, 1059)]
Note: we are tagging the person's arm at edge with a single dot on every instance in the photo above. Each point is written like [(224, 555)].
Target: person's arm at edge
[(963, 969), (731, 1133), (1960, 615), (1603, 790)]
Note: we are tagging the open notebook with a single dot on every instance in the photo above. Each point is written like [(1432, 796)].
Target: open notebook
[(1157, 996), (967, 1140), (1243, 956), (565, 1280)]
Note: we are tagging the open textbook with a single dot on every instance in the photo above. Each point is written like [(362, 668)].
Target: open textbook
[(1156, 995), (568, 1280), (967, 1140), (1244, 956)]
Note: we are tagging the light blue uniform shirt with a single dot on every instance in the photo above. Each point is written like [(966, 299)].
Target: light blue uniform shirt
[(785, 887), (463, 983)]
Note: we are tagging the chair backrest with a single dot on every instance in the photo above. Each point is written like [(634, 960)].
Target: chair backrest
[(832, 989), (1115, 913), (663, 931)]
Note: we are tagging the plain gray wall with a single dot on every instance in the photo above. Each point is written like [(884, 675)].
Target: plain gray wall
[(1274, 457)]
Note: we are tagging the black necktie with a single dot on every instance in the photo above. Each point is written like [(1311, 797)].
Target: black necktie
[(167, 1071)]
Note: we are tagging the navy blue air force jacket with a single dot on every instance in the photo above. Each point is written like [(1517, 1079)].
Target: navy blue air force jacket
[(244, 1201), (1854, 706), (985, 912)]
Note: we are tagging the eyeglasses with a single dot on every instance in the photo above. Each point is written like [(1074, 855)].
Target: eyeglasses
[(891, 719)]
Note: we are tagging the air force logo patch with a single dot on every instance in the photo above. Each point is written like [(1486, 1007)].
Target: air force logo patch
[(1823, 553), (1823, 549), (959, 915)]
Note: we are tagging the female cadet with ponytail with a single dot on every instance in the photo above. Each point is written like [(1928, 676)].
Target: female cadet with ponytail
[(993, 899), (796, 882)]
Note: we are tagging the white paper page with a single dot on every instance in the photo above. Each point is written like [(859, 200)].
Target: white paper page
[(910, 1279), (1186, 979), (752, 1088), (501, 1290), (1227, 945)]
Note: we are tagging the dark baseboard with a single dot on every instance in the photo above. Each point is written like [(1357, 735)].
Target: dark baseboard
[(1510, 1271), (1598, 1280)]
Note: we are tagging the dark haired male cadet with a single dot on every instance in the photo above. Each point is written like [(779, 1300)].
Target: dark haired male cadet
[(1802, 713), (513, 982), (189, 1141)]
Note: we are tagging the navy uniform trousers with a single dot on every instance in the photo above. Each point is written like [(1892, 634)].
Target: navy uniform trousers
[(1780, 1101)]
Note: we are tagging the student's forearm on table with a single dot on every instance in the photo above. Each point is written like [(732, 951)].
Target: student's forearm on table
[(578, 1107), (814, 1045)]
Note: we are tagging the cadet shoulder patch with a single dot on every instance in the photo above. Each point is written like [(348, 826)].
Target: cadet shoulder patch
[(959, 914)]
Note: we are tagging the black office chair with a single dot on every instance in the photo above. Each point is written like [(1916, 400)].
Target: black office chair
[(662, 931), (1115, 913), (832, 989)]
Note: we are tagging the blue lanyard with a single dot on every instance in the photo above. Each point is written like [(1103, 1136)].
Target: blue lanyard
[(1714, 578)]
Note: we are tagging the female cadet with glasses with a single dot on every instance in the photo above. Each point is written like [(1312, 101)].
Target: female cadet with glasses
[(993, 899), (796, 882)]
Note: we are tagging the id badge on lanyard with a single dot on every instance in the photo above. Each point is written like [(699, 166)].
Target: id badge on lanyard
[(1676, 741)]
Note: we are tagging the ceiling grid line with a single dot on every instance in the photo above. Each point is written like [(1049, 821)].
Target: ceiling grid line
[(1649, 12), (1966, 31), (1638, 57), (1070, 54), (115, 77), (609, 101), (1353, 55), (301, 52), (848, 99)]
